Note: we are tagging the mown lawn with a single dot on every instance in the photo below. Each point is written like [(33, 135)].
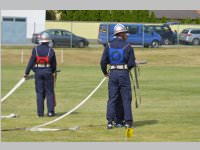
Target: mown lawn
[(170, 97)]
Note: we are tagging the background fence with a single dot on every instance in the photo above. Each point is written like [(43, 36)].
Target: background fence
[(20, 32)]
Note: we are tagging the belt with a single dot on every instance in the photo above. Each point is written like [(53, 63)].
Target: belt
[(119, 67), (42, 65)]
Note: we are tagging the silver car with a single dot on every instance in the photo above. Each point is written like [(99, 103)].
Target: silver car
[(190, 36)]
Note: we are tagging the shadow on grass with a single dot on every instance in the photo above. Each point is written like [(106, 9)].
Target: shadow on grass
[(136, 123), (145, 122)]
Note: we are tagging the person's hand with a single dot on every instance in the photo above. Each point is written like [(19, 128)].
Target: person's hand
[(25, 76), (54, 74), (106, 75)]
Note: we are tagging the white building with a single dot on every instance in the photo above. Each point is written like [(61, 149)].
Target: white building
[(19, 25)]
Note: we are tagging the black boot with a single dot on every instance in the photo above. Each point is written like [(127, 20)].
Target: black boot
[(128, 124), (51, 114), (109, 125)]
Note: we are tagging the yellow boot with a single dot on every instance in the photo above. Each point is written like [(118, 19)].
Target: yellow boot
[(129, 132)]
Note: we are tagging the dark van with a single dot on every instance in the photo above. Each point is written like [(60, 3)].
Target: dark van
[(139, 34), (168, 36)]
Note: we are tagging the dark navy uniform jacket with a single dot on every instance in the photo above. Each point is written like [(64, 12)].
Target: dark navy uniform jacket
[(129, 56), (42, 50)]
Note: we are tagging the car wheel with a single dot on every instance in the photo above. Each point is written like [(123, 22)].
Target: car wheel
[(195, 42), (166, 41), (81, 44), (155, 44)]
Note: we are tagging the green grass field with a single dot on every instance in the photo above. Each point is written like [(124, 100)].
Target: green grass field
[(170, 97)]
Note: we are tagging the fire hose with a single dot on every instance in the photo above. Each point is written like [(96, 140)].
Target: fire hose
[(38, 127), (16, 87)]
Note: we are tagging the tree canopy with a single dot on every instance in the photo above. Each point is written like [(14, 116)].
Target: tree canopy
[(143, 16)]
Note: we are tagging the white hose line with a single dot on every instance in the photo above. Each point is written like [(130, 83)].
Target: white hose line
[(16, 86), (75, 128), (8, 116), (13, 89), (141, 62), (72, 110)]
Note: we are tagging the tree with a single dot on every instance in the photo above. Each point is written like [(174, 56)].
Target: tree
[(76, 16), (84, 15), (124, 16), (107, 15), (152, 17), (133, 15), (116, 15), (50, 15), (127, 17), (67, 14), (197, 20), (164, 19), (146, 16), (104, 15), (188, 21), (94, 15), (142, 16)]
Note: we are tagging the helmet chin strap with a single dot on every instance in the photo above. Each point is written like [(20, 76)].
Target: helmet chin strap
[(122, 36)]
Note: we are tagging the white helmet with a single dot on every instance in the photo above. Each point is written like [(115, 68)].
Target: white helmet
[(44, 38), (119, 28)]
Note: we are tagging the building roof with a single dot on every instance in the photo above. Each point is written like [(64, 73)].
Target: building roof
[(177, 14)]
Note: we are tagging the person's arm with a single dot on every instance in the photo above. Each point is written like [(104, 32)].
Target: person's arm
[(104, 61), (131, 59), (54, 62), (31, 62)]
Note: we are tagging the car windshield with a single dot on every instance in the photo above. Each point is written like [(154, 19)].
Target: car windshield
[(185, 31), (50, 32), (66, 33), (158, 29), (166, 29)]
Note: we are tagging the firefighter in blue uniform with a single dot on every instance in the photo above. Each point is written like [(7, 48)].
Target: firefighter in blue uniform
[(43, 63), (120, 56), (118, 116)]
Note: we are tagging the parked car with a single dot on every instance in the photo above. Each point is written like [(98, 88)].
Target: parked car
[(148, 38), (168, 36), (61, 38), (190, 36)]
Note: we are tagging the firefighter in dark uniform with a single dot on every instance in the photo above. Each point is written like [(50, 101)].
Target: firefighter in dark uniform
[(43, 63), (120, 56), (118, 116)]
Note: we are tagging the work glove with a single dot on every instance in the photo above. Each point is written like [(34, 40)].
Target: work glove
[(26, 76), (106, 75)]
